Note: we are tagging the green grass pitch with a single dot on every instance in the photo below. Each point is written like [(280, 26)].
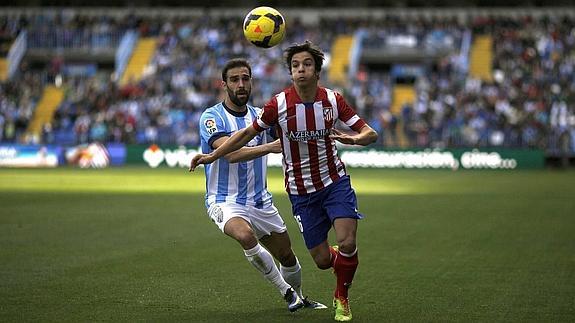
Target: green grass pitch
[(134, 244)]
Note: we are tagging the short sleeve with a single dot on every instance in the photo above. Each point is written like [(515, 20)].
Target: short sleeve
[(268, 117), (212, 127), (347, 114)]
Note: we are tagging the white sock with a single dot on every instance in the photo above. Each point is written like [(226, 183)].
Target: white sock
[(348, 255), (262, 260), (292, 275)]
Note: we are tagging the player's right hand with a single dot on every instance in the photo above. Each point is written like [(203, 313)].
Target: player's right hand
[(275, 146), (200, 159)]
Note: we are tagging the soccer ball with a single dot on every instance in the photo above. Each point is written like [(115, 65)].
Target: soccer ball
[(264, 27)]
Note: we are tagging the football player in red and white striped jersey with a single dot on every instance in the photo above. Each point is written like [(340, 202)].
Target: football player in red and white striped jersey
[(316, 180)]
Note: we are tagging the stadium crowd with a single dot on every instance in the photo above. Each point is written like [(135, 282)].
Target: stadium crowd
[(529, 103)]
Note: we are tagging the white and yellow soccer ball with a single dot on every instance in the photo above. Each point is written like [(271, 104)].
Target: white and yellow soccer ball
[(264, 27)]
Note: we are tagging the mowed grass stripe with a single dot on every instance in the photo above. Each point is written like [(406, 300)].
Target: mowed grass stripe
[(367, 181)]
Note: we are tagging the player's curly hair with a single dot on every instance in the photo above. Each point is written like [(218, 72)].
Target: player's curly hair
[(307, 46), (233, 63)]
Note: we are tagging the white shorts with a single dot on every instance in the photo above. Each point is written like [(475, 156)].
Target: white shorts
[(263, 221)]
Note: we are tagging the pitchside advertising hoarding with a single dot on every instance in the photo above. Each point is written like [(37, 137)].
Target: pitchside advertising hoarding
[(95, 155), (173, 156), (92, 155), (30, 156)]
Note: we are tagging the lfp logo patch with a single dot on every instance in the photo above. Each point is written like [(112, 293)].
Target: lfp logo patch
[(210, 125)]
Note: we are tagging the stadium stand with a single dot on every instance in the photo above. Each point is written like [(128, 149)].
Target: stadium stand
[(461, 78)]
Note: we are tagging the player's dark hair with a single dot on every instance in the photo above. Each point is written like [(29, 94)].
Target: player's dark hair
[(233, 63), (307, 46)]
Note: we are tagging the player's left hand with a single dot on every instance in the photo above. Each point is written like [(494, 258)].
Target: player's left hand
[(200, 159), (342, 137)]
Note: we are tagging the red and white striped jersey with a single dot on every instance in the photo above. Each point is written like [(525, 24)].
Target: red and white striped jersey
[(310, 159)]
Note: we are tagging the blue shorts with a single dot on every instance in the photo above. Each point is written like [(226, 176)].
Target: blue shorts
[(315, 212)]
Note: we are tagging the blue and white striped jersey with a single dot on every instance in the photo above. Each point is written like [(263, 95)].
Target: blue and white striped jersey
[(243, 183)]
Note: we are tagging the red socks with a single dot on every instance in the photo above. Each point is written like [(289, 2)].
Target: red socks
[(344, 267)]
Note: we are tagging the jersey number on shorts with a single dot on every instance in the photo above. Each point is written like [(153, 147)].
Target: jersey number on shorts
[(298, 219)]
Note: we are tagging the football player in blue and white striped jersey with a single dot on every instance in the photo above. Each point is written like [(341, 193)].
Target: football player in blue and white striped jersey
[(237, 198)]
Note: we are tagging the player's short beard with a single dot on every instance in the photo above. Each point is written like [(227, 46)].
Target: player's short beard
[(237, 101)]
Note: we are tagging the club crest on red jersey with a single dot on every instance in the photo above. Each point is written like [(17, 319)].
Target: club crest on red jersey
[(328, 114)]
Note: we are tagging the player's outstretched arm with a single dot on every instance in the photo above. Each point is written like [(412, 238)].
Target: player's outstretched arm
[(364, 137), (235, 142), (249, 153)]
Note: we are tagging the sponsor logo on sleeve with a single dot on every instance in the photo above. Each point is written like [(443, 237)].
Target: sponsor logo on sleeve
[(210, 125)]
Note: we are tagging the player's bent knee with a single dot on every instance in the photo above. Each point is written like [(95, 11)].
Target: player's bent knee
[(347, 245), (322, 261), (246, 238)]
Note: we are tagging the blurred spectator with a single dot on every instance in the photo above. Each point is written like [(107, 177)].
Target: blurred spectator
[(528, 105)]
